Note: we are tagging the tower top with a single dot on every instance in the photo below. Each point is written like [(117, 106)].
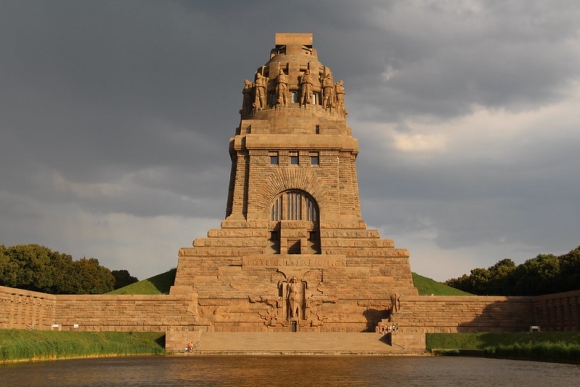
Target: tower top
[(287, 38), (293, 78)]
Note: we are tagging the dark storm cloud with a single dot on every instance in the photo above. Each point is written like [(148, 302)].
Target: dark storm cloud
[(127, 108)]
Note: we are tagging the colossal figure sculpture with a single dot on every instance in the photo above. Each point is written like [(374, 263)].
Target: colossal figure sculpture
[(327, 92), (260, 85), (339, 90), (293, 253), (248, 102), (282, 88), (306, 88)]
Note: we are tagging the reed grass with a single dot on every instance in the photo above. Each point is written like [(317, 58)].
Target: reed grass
[(545, 351), (18, 345), (541, 346)]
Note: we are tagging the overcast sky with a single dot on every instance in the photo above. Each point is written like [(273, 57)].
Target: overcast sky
[(116, 115)]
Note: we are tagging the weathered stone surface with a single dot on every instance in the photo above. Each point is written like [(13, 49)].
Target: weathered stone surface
[(293, 251)]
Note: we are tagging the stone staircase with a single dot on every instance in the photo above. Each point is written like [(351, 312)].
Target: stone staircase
[(288, 343)]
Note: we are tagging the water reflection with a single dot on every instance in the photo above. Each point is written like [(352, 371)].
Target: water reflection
[(288, 371)]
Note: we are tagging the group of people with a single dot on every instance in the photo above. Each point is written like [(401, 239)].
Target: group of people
[(387, 328)]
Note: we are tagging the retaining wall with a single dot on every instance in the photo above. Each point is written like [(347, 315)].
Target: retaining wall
[(22, 309)]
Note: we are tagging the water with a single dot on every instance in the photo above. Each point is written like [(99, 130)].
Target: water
[(289, 371)]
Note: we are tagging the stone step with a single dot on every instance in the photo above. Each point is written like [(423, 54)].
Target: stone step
[(292, 343)]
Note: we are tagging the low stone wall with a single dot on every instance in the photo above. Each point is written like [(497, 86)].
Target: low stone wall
[(23, 309), (126, 313), (177, 314), (450, 314), (558, 312)]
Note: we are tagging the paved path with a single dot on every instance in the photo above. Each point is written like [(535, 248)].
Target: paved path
[(294, 343)]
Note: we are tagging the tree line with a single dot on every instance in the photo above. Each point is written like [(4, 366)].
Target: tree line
[(37, 268), (543, 274)]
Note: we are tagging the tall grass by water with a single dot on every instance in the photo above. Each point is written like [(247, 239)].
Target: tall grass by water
[(546, 351), (542, 346), (16, 345)]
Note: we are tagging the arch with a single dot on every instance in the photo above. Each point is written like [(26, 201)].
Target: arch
[(301, 235), (294, 204), (287, 179)]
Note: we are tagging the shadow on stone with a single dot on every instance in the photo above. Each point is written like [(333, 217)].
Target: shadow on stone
[(161, 341), (386, 339), (373, 316)]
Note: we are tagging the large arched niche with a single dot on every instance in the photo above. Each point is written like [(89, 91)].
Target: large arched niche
[(285, 179), (294, 223)]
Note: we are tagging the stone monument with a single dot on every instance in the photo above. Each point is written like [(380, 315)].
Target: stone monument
[(293, 253)]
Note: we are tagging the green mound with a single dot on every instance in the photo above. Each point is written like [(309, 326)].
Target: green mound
[(159, 284), (427, 287)]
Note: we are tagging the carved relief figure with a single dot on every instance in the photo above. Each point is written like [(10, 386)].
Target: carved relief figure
[(294, 298), (395, 302), (327, 92), (306, 88), (248, 92), (282, 88), (260, 89), (339, 90)]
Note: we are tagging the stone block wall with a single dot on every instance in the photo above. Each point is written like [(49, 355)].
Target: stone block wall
[(127, 313), (23, 309), (452, 314), (558, 312), (177, 314)]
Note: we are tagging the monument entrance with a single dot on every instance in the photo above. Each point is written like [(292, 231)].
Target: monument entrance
[(293, 253)]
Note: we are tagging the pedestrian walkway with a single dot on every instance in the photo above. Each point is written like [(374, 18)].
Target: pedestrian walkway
[(294, 343)]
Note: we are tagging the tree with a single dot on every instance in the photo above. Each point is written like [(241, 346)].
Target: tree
[(543, 274), (93, 278), (570, 270), (501, 277), (37, 268), (537, 276), (27, 267)]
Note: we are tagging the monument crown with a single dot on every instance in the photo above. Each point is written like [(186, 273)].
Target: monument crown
[(293, 77)]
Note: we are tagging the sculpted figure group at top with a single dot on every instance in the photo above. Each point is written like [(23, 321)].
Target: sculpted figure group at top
[(256, 93)]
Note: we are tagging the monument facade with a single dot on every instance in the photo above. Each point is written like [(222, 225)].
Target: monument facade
[(293, 252)]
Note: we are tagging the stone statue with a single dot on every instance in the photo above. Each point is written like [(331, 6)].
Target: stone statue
[(248, 92), (306, 88), (339, 90), (395, 303), (282, 89), (294, 298), (260, 89), (327, 92)]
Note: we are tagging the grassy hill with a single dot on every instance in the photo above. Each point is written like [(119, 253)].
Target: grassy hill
[(161, 283), (427, 287)]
